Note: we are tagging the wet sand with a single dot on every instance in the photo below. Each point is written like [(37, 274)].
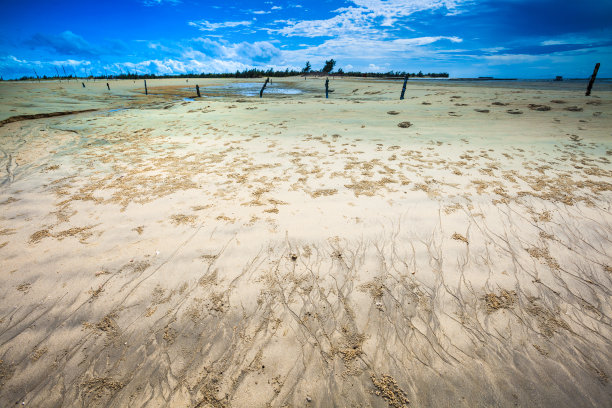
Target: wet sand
[(297, 251)]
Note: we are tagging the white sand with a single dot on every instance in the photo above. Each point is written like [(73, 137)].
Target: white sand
[(306, 252)]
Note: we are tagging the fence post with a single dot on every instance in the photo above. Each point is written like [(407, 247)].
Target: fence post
[(327, 88), (588, 91), (263, 87), (404, 87), (198, 90), (146, 90)]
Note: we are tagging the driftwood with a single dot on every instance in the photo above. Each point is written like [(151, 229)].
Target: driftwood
[(20, 118)]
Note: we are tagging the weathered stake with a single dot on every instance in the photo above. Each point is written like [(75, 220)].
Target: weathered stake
[(83, 83), (146, 90), (404, 88), (108, 86), (590, 86), (327, 88), (263, 87), (198, 91)]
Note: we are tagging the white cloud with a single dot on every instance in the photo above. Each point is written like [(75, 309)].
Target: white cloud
[(553, 42), (363, 18), (204, 25), (391, 10), (243, 52), (574, 39), (261, 12), (172, 66), (158, 2), (350, 21)]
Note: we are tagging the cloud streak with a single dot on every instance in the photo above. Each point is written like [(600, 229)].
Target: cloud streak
[(204, 25)]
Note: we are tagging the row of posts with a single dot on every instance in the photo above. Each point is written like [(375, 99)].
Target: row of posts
[(588, 91)]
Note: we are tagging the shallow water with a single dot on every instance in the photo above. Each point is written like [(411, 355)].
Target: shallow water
[(249, 89)]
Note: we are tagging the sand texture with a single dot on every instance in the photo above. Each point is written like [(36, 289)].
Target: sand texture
[(450, 250)]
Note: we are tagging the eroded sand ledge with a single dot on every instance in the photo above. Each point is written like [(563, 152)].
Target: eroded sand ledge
[(303, 252)]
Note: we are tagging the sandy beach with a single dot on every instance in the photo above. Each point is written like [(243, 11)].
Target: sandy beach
[(453, 249)]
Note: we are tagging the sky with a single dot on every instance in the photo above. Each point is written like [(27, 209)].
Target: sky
[(466, 38)]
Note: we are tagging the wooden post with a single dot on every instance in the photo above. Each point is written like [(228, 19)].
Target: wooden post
[(263, 87), (83, 83), (404, 88), (146, 90), (588, 91), (327, 88), (198, 91), (108, 86)]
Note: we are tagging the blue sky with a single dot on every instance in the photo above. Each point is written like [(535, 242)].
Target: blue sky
[(503, 38)]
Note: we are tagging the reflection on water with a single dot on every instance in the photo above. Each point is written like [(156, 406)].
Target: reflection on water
[(247, 89)]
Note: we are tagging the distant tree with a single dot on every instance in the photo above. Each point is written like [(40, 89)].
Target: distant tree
[(307, 68), (329, 66), (420, 74), (340, 71)]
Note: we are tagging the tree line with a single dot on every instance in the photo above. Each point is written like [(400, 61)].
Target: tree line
[(327, 69)]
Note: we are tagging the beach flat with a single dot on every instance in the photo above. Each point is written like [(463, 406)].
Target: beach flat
[(167, 250)]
